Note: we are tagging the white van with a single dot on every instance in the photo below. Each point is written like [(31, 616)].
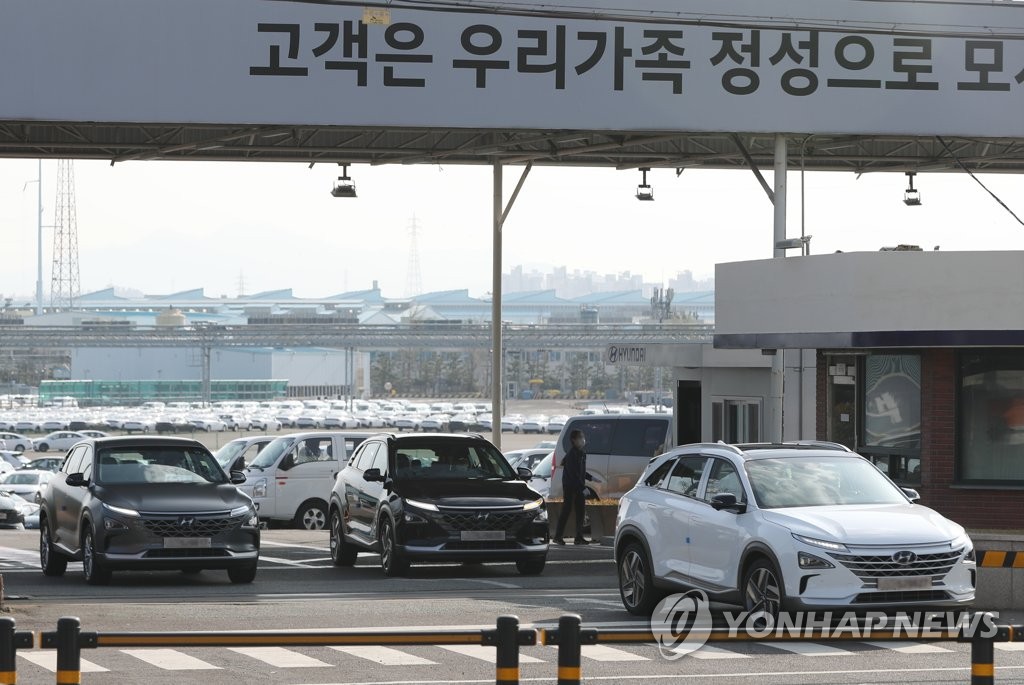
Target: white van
[(291, 478), (619, 446)]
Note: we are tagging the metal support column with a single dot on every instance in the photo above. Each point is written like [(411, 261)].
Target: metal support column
[(497, 375), (497, 370), (206, 390), (774, 428)]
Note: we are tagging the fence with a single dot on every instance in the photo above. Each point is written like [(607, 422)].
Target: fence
[(507, 637)]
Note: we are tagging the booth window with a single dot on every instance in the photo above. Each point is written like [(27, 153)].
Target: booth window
[(891, 411), (990, 417), (736, 420)]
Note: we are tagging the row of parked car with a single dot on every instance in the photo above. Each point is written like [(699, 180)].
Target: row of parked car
[(806, 525)]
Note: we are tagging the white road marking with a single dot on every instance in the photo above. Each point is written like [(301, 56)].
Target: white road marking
[(913, 648), (48, 660), (169, 659), (808, 648), (486, 653), (280, 657), (605, 653), (709, 652), (677, 677), (386, 656)]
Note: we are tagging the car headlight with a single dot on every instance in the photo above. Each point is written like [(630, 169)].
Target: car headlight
[(121, 511), (252, 521), (530, 506), (824, 544), (112, 517), (809, 561), (421, 505), (260, 488)]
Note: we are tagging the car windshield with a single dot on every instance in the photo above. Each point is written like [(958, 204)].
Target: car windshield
[(22, 479), (543, 467), (815, 481), (272, 452), (432, 459), (158, 464), (226, 454)]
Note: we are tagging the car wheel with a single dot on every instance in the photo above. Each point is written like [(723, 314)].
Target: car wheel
[(531, 567), (19, 448), (636, 584), (43, 447), (391, 562), (51, 561), (342, 553), (242, 574), (515, 429), (762, 592), (311, 515), (95, 572)]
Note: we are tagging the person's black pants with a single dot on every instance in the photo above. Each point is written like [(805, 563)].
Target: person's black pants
[(573, 501)]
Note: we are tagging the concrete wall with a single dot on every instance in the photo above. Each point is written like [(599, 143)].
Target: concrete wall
[(871, 291)]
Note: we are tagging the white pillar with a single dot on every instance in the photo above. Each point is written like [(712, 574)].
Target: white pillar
[(774, 428), (497, 381)]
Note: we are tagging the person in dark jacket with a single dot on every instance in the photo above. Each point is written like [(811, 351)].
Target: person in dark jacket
[(574, 473)]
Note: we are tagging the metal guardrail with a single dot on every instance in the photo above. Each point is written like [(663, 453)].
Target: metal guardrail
[(507, 637)]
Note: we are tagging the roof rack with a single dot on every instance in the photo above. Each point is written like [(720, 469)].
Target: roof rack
[(820, 443)]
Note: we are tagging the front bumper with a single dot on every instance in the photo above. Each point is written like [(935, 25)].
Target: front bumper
[(474, 536), (867, 579), (162, 543)]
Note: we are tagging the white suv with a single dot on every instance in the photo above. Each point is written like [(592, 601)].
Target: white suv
[(785, 526)]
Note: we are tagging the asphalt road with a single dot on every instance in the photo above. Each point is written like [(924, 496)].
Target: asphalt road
[(298, 589)]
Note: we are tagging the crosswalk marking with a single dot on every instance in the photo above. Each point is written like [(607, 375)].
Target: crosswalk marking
[(809, 648), (1010, 646), (169, 659), (280, 657), (913, 648), (48, 660), (604, 653), (387, 656), (487, 653), (709, 652)]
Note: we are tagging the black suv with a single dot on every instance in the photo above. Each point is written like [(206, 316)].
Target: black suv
[(436, 498), (146, 503)]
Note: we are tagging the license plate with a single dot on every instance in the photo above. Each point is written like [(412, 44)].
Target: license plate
[(187, 543), (908, 583), (483, 535)]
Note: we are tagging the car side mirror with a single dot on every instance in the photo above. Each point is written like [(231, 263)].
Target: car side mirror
[(237, 477), (913, 495), (76, 480), (524, 473), (287, 462), (373, 476), (728, 502)]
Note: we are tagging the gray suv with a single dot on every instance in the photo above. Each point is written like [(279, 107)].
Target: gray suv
[(148, 503)]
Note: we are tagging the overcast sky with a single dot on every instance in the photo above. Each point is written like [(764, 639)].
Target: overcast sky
[(163, 227)]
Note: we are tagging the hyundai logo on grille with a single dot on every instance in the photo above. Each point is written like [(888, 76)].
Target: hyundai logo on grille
[(186, 522), (483, 517), (904, 557)]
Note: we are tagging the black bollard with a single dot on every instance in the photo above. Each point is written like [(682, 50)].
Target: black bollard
[(8, 653), (69, 652), (983, 670), (506, 665), (569, 649)]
